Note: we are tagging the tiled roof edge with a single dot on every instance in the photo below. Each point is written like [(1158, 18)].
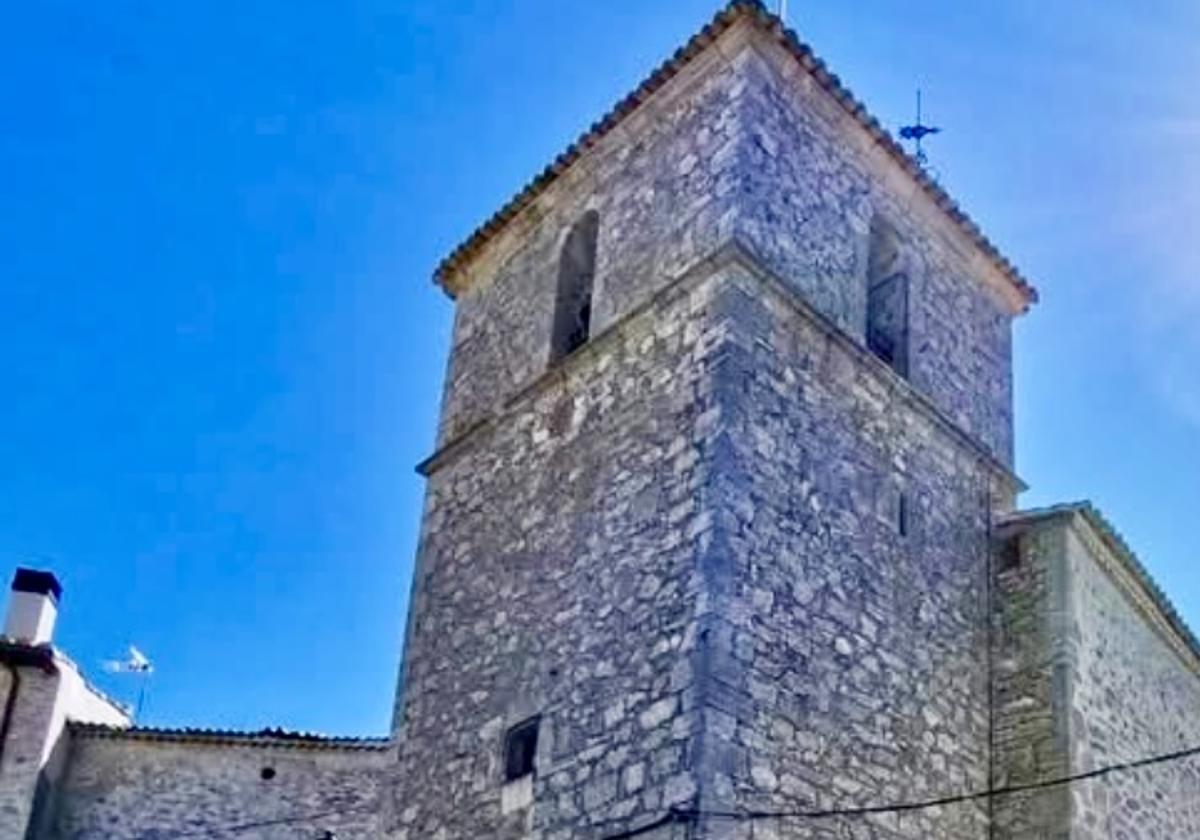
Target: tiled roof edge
[(274, 737), (1109, 533), (1030, 515), (724, 19), (51, 660)]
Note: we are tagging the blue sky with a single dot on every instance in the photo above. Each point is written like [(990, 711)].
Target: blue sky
[(224, 354)]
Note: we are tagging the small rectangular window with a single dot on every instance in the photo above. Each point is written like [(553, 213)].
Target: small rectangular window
[(1010, 553), (520, 749), (902, 516)]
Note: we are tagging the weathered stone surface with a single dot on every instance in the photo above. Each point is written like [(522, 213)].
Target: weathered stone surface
[(810, 192), (739, 470), (41, 692), (665, 192), (735, 150), (557, 576), (857, 681), (128, 788), (25, 747), (1099, 676)]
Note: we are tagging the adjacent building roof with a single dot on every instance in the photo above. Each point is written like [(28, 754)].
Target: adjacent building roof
[(273, 737), (755, 12), (1121, 549), (52, 660)]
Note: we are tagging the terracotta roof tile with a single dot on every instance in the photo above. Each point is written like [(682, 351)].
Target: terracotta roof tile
[(271, 737), (735, 11)]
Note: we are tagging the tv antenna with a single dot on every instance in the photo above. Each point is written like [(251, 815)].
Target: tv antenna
[(918, 132), (136, 664)]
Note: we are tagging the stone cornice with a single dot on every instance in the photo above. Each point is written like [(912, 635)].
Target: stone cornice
[(730, 255)]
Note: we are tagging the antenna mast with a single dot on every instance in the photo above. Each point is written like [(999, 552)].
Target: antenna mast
[(135, 664), (783, 10)]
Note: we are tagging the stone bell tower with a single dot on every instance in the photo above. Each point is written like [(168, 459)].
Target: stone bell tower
[(727, 418)]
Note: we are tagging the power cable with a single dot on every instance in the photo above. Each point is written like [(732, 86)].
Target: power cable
[(945, 800), (684, 815)]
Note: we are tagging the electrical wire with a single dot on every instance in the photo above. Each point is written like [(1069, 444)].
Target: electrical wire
[(684, 815), (945, 800)]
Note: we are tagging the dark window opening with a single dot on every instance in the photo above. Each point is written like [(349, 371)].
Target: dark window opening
[(267, 774), (902, 516), (576, 277), (520, 750), (887, 300), (1010, 553)]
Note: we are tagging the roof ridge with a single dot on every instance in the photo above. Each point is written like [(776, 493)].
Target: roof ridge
[(725, 18)]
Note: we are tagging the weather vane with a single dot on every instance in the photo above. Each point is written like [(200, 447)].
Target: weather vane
[(918, 132)]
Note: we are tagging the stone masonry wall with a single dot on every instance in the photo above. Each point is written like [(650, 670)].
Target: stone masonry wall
[(1092, 675), (804, 651), (24, 749), (557, 576), (1133, 695), (1033, 667), (554, 484), (740, 145), (847, 650), (664, 190), (809, 189), (124, 788)]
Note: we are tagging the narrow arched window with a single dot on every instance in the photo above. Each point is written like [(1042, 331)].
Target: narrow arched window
[(887, 299), (576, 276)]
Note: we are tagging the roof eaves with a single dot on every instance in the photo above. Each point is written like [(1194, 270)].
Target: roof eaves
[(274, 737), (1116, 542), (804, 55), (52, 660), (1039, 514), (589, 138)]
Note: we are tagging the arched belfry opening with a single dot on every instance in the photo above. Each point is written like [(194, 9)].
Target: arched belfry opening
[(887, 332), (576, 279)]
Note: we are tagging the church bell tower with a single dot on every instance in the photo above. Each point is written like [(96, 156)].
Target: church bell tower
[(727, 418)]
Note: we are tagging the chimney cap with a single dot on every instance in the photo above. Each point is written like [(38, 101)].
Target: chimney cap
[(37, 582)]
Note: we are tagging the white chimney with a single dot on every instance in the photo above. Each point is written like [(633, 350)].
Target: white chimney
[(32, 607)]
